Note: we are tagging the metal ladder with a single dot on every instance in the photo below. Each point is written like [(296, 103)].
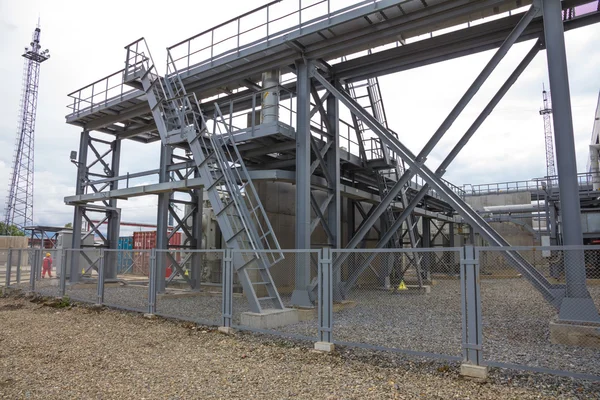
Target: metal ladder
[(238, 209), (367, 93)]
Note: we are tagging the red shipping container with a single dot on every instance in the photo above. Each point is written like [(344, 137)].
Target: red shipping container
[(147, 241)]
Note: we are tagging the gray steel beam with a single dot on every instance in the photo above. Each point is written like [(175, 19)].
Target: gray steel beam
[(460, 106), (332, 161), (78, 211), (162, 217), (196, 239), (441, 170), (577, 305), (114, 217), (300, 296)]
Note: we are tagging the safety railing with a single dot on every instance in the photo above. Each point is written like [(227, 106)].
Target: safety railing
[(578, 11), (98, 94), (256, 27), (546, 184)]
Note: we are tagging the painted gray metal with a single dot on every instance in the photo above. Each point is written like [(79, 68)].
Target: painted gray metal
[(578, 304)]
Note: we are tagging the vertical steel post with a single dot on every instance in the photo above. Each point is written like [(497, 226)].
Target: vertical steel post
[(113, 225), (162, 241), (19, 259), (332, 160), (426, 243), (82, 171), (577, 305), (196, 239), (101, 277), (8, 267), (471, 307), (325, 295), (63, 272), (227, 278), (152, 280), (300, 296)]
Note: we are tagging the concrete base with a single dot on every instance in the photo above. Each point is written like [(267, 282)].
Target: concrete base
[(271, 318), (325, 347), (150, 316), (575, 335), (476, 372), (227, 330)]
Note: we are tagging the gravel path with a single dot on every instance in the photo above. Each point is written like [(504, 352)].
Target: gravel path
[(57, 353), (515, 320)]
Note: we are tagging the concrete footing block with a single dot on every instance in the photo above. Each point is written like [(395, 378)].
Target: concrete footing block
[(271, 318), (227, 330), (325, 347), (475, 372), (575, 335), (150, 316)]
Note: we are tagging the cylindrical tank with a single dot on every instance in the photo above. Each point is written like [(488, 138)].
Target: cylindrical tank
[(270, 97)]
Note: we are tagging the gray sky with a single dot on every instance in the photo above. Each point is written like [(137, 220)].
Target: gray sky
[(86, 41)]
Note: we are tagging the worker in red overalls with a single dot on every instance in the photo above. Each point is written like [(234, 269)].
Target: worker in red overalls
[(47, 266)]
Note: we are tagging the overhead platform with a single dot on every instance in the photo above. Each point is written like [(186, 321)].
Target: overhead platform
[(273, 175)]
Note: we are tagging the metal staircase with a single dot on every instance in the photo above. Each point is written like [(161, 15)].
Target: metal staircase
[(367, 93), (238, 210)]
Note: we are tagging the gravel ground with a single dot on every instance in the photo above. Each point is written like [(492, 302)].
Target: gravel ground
[(515, 317), (83, 353)]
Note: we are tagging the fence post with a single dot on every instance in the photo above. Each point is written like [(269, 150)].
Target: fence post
[(100, 285), (325, 299), (63, 272), (8, 267), (19, 257), (472, 365), (152, 276), (227, 286), (33, 269)]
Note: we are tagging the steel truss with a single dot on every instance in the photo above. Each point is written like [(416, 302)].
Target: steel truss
[(553, 293)]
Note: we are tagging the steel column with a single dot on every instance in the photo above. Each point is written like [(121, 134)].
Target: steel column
[(300, 296), (472, 331), (426, 243), (114, 217), (78, 211), (227, 278), (577, 304), (332, 161), (162, 220), (325, 299), (196, 239)]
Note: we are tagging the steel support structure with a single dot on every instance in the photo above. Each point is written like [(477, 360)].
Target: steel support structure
[(422, 156), (460, 106), (551, 293), (577, 304), (162, 219), (92, 163), (300, 296)]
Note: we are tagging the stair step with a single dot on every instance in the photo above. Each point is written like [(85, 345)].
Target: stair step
[(262, 283), (266, 298)]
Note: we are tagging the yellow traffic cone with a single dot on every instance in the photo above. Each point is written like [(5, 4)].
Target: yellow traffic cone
[(402, 286), (82, 271), (186, 273)]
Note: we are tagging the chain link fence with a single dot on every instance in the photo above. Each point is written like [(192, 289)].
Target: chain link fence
[(400, 299), (475, 305)]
